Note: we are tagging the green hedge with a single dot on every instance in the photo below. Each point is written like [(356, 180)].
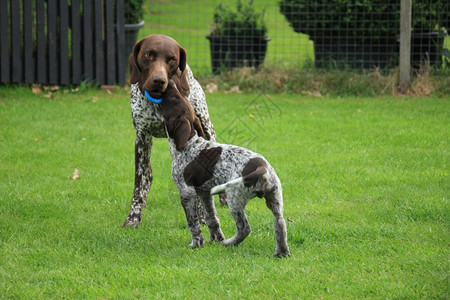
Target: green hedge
[(362, 19), (242, 21)]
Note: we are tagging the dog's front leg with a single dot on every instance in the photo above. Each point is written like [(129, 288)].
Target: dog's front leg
[(215, 233), (142, 180), (189, 206)]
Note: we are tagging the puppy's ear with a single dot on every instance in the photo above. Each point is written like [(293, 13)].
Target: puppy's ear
[(183, 83), (172, 84), (183, 60), (180, 131), (135, 71), (198, 127)]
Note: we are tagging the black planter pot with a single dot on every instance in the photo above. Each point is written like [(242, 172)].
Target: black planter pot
[(234, 52), (341, 53), (131, 34), (426, 45)]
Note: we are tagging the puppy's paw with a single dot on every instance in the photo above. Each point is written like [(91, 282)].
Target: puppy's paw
[(282, 253), (197, 242), (216, 236)]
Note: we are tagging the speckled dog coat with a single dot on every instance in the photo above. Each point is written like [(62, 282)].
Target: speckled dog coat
[(148, 123), (201, 167)]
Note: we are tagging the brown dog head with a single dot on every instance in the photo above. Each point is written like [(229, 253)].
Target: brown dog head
[(155, 60)]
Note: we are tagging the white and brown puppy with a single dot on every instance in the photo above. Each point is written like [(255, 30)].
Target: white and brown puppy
[(201, 167)]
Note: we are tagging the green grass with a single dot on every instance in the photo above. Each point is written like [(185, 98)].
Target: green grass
[(366, 186)]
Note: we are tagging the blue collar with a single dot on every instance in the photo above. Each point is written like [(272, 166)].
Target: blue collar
[(151, 99)]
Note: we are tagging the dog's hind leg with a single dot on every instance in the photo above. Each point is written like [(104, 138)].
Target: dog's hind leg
[(212, 220), (237, 206), (189, 205), (274, 201)]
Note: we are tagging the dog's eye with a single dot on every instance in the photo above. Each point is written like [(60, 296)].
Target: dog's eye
[(172, 59), (148, 54)]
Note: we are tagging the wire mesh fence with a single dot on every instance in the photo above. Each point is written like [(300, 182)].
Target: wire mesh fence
[(361, 34)]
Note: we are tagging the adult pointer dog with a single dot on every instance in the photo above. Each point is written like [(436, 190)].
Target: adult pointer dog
[(155, 60)]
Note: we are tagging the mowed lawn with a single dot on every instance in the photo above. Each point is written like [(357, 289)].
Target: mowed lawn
[(366, 190)]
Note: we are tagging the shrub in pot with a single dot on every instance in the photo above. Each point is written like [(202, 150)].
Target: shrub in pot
[(133, 22), (363, 34), (430, 23), (354, 34), (238, 37)]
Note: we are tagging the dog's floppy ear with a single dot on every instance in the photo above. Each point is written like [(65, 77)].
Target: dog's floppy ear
[(180, 130), (135, 71), (183, 60), (198, 127), (182, 82), (181, 78)]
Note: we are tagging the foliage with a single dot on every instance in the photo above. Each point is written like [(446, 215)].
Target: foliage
[(446, 58), (359, 19), (319, 83), (134, 11), (432, 15), (162, 20), (245, 21)]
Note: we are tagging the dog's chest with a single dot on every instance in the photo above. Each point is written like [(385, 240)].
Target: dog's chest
[(146, 117)]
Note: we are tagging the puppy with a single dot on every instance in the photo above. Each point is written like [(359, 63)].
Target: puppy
[(201, 167)]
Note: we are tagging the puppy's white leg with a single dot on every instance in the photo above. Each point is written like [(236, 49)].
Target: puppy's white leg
[(274, 201), (189, 206), (237, 206), (212, 220)]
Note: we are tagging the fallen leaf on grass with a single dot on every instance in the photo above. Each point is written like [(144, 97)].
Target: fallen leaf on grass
[(109, 89), (49, 95), (234, 89), (317, 94), (36, 90), (75, 174), (212, 87)]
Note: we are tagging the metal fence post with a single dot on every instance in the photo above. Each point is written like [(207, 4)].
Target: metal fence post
[(405, 46)]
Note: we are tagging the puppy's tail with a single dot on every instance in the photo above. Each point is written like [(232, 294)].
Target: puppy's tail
[(221, 188), (248, 180)]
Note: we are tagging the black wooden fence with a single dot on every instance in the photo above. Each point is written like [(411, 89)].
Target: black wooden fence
[(62, 42)]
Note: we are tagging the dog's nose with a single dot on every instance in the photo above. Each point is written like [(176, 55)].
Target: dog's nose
[(159, 80)]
